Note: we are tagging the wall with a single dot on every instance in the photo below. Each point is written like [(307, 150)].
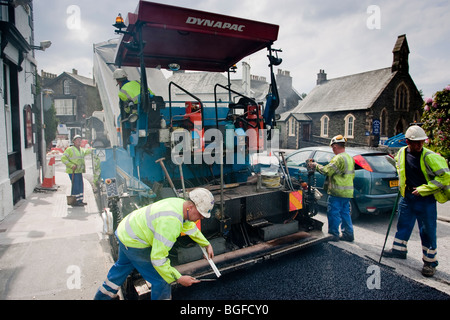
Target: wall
[(22, 97)]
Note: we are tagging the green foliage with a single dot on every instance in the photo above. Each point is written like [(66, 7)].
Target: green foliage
[(51, 125), (436, 122)]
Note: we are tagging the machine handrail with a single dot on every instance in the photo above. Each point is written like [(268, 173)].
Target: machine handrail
[(237, 93), (188, 93)]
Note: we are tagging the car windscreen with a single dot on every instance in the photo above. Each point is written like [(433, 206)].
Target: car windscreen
[(381, 163)]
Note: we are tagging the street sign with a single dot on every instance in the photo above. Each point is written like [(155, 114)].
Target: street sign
[(376, 125)]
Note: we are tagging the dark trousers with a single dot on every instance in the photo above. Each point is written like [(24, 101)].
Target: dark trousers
[(77, 186)]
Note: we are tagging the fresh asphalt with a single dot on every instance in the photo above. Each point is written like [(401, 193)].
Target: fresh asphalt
[(340, 270), (322, 272), (50, 251)]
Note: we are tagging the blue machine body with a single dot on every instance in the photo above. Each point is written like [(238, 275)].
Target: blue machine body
[(133, 164)]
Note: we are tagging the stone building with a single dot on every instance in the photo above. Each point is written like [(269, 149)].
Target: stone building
[(367, 107), (75, 98), (19, 115)]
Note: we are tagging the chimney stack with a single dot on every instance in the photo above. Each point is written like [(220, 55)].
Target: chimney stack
[(321, 77)]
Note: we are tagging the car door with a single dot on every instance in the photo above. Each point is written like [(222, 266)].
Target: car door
[(296, 163)]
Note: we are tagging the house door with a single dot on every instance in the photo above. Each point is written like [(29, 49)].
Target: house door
[(399, 128), (13, 131), (306, 131)]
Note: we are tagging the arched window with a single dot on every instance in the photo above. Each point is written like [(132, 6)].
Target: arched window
[(324, 121), (350, 126), (291, 127), (402, 98)]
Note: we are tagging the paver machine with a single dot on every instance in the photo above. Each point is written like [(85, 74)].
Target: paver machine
[(166, 147)]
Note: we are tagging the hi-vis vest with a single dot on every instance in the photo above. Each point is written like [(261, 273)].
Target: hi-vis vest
[(340, 172), (436, 172), (73, 156), (130, 91), (158, 226)]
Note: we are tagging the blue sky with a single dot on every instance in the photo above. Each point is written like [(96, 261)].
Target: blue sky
[(342, 37)]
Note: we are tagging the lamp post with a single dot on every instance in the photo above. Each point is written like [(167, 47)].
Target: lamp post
[(43, 143), (42, 46)]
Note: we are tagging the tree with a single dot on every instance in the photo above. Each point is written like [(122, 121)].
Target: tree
[(51, 125), (436, 122)]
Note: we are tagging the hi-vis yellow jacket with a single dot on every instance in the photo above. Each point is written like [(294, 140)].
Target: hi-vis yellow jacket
[(436, 172), (130, 91), (158, 226), (340, 172), (73, 156)]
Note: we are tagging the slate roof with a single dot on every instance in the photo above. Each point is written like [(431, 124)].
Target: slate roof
[(81, 79), (353, 92), (204, 82), (197, 82), (84, 80)]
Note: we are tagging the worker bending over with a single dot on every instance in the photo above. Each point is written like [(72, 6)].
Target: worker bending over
[(146, 237)]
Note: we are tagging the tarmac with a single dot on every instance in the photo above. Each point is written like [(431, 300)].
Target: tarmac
[(52, 251)]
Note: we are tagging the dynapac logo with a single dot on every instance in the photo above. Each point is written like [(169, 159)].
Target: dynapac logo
[(215, 24)]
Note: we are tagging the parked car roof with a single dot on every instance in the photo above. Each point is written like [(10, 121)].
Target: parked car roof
[(350, 150)]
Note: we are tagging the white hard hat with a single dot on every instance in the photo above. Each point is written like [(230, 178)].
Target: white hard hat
[(120, 74), (76, 137), (415, 133), (338, 139), (203, 200)]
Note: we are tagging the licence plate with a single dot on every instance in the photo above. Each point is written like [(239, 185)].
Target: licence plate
[(393, 183)]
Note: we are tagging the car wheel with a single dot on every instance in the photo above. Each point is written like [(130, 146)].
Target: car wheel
[(354, 211)]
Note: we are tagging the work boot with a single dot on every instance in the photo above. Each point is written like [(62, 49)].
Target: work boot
[(394, 254), (79, 204), (334, 238), (347, 237), (428, 270)]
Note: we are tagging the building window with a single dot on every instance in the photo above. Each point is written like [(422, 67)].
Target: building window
[(66, 107), (291, 127), (324, 121), (66, 88), (402, 98), (350, 126)]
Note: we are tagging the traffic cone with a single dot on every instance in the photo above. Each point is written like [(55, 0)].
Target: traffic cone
[(49, 176)]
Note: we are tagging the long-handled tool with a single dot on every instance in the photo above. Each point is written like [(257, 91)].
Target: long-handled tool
[(390, 223), (211, 263), (182, 181), (287, 170), (161, 162), (284, 170)]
